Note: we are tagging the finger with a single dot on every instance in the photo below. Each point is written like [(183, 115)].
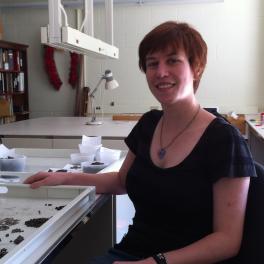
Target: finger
[(37, 184), (42, 181), (35, 177)]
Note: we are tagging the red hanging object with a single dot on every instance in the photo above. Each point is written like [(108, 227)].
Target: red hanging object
[(73, 75), (51, 68)]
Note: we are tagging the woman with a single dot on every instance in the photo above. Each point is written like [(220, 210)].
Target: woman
[(187, 172)]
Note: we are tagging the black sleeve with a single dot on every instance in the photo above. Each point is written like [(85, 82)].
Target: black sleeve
[(139, 139), (132, 139), (228, 154)]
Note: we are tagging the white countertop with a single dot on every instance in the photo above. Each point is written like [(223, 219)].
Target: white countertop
[(72, 127), (63, 221), (253, 122), (44, 159)]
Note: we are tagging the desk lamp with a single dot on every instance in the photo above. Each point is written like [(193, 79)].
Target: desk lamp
[(110, 84)]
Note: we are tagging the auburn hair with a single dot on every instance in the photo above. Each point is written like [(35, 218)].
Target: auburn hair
[(178, 36)]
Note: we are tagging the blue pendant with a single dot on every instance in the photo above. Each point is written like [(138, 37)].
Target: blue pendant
[(161, 153)]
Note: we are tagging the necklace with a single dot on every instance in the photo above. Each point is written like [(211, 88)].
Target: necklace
[(163, 150)]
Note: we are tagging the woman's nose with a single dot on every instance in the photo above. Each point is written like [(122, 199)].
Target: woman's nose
[(162, 70)]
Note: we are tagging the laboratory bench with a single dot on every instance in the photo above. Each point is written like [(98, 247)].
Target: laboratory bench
[(63, 132), (87, 228), (66, 133)]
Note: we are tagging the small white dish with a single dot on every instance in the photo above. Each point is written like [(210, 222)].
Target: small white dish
[(9, 178)]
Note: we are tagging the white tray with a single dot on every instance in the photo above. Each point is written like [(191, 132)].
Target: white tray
[(23, 203)]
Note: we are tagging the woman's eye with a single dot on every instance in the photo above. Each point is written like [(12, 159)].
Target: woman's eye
[(173, 61), (152, 64)]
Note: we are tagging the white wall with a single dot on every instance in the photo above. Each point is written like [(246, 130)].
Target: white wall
[(233, 31), (23, 26), (232, 80)]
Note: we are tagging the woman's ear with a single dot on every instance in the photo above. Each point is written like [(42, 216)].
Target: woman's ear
[(197, 74)]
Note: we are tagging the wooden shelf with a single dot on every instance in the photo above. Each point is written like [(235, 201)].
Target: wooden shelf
[(13, 82), (11, 94), (10, 71), (21, 113)]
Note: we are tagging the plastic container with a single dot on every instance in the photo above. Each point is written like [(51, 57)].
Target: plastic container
[(92, 167), (89, 149), (78, 158), (262, 118), (14, 163), (91, 140), (107, 155)]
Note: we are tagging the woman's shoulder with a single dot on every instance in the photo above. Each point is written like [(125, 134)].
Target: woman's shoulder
[(221, 129), (220, 123), (152, 115)]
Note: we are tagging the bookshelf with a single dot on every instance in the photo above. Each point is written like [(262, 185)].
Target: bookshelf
[(13, 82)]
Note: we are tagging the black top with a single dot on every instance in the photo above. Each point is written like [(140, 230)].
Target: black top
[(174, 206)]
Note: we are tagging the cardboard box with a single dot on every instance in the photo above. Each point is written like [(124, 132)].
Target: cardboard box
[(4, 108), (126, 117), (240, 123)]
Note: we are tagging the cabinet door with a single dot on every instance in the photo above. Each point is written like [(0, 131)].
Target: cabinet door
[(27, 142), (114, 144), (62, 143)]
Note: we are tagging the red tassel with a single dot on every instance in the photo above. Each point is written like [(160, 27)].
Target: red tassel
[(50, 67), (73, 75)]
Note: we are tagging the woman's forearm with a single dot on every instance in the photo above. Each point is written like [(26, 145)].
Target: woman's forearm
[(210, 249), (104, 182)]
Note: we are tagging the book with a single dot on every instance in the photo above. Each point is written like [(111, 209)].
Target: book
[(10, 59), (1, 83), (1, 59), (21, 82), (5, 60), (16, 60)]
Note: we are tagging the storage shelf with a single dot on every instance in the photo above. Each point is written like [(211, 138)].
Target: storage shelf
[(10, 71), (21, 113), (13, 82), (10, 94)]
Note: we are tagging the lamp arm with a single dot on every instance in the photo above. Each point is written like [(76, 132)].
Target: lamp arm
[(96, 87), (93, 118), (91, 96)]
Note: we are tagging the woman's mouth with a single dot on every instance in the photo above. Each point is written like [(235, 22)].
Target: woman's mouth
[(165, 85)]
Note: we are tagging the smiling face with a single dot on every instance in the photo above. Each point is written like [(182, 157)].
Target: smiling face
[(169, 76), (178, 37)]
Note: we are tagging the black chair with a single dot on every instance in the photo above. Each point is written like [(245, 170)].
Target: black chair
[(252, 248)]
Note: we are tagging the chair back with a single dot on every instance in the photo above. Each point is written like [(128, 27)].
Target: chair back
[(252, 247)]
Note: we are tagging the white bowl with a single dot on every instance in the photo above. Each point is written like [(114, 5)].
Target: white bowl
[(89, 149), (92, 167), (78, 158), (14, 163)]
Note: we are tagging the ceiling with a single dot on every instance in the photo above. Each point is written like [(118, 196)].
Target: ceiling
[(79, 3)]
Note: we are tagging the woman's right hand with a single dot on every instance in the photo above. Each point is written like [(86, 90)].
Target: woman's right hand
[(46, 178)]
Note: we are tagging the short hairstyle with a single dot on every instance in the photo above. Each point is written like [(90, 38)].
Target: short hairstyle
[(176, 35)]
